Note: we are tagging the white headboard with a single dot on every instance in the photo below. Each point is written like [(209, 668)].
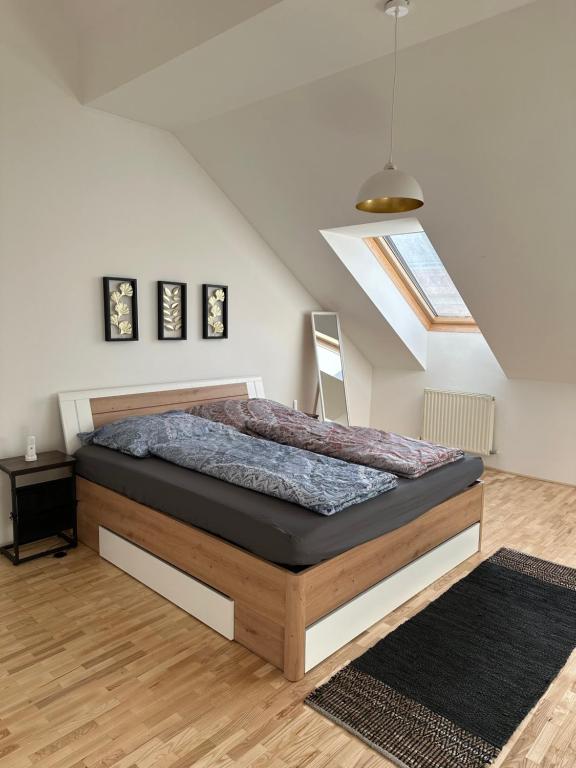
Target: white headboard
[(86, 409)]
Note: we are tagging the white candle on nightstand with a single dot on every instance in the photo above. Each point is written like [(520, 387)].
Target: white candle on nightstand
[(295, 404), (30, 454)]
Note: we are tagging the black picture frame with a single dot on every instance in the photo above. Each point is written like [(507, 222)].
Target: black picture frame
[(107, 289), (183, 311), (208, 289)]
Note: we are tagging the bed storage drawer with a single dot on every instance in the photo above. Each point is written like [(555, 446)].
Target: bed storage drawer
[(193, 596), (331, 632)]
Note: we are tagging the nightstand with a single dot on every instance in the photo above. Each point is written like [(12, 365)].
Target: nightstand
[(42, 505)]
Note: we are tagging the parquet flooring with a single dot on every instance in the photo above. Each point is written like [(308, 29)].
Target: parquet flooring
[(97, 671)]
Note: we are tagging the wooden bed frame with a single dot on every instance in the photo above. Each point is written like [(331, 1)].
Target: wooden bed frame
[(292, 619)]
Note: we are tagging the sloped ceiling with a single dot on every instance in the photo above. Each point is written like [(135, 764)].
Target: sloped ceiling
[(122, 39), (173, 62), (487, 119)]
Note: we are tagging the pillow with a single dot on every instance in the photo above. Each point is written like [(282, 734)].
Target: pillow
[(135, 434)]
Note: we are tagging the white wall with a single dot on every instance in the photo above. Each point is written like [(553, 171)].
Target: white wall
[(535, 420), (348, 244), (85, 194)]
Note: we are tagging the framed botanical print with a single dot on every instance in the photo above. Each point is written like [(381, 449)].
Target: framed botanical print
[(120, 308), (214, 311), (171, 310)]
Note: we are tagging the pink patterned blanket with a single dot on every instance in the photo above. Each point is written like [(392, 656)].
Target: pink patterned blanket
[(386, 451)]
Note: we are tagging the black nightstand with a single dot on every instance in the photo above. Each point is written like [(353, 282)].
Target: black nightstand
[(41, 506)]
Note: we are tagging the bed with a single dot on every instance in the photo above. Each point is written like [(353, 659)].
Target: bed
[(276, 530), (289, 585)]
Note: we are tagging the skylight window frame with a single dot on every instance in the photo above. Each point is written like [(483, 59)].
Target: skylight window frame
[(399, 272)]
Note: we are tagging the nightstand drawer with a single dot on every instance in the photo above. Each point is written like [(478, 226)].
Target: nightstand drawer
[(35, 499), (46, 509)]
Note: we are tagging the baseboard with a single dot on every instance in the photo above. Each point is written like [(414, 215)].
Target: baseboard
[(529, 477)]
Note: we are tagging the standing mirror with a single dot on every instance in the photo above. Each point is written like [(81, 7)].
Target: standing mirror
[(330, 362)]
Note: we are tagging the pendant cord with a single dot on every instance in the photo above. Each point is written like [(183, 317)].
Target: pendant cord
[(394, 81)]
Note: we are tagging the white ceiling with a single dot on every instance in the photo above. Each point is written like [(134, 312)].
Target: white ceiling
[(286, 111), (123, 39), (287, 45), (88, 14)]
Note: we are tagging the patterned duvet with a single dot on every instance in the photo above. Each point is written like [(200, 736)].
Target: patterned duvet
[(319, 483), (373, 448)]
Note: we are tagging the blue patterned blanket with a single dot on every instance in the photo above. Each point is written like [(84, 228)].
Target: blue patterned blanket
[(319, 483)]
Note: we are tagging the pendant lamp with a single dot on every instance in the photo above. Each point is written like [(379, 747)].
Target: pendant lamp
[(391, 190)]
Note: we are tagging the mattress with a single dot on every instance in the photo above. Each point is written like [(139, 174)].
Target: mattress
[(276, 530)]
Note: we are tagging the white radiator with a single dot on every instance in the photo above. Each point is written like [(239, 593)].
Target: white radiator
[(459, 419)]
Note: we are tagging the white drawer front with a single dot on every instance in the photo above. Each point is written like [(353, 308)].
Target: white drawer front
[(196, 598), (341, 626)]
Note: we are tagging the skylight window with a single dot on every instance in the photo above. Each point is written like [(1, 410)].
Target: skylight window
[(416, 269), (418, 257)]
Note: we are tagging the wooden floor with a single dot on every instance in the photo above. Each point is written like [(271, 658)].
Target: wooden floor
[(98, 671)]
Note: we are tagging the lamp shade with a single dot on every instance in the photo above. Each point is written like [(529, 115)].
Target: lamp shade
[(390, 191)]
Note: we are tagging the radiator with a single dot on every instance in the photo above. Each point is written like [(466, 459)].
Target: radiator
[(459, 419)]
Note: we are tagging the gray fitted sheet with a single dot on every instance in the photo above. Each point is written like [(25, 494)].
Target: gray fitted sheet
[(276, 530)]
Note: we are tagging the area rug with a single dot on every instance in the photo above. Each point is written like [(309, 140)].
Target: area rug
[(449, 687)]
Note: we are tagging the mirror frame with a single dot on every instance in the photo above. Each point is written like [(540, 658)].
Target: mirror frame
[(318, 372)]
